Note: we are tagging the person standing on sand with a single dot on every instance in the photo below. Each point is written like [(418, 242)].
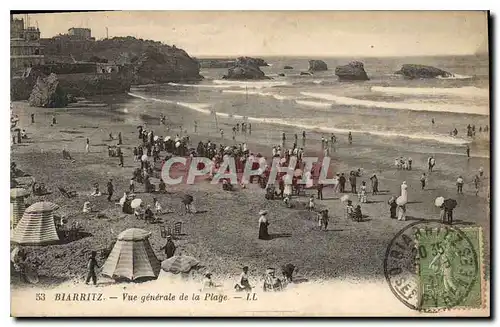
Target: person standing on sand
[(467, 151), (476, 184), (433, 122), (460, 185), (131, 187), (392, 207), (91, 266), (120, 138), (349, 138), (342, 182), (221, 133), (110, 189), (32, 118), (374, 181), (423, 179), (320, 191), (195, 126), (169, 247), (410, 161), (263, 225), (87, 145), (120, 156), (249, 128), (54, 120), (352, 181)]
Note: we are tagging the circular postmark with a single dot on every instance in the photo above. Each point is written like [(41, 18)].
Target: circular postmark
[(430, 266)]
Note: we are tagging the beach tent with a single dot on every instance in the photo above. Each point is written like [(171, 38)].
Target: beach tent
[(37, 225), (179, 264), (17, 205), (132, 257)]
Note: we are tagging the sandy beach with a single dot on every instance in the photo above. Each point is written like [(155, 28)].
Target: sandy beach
[(224, 237)]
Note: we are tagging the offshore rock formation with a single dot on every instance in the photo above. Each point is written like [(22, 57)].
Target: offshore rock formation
[(230, 62), (287, 67), (48, 93), (317, 65), (354, 71), (412, 71), (251, 61), (245, 72)]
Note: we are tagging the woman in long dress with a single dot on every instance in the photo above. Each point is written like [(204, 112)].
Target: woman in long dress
[(263, 224)]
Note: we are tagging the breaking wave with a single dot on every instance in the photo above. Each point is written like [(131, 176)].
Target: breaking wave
[(201, 107), (416, 106), (466, 91), (252, 84)]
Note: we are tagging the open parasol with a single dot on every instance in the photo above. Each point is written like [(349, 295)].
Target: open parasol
[(136, 203), (439, 201), (167, 138), (450, 204), (155, 138), (144, 157), (344, 198), (177, 144), (401, 201)]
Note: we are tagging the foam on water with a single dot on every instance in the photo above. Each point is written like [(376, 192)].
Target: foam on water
[(314, 104), (466, 91), (252, 84), (416, 106), (208, 86), (201, 107), (265, 94), (456, 76)]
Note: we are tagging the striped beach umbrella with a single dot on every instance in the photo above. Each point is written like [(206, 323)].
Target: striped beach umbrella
[(132, 257), (179, 264), (17, 208), (37, 226)]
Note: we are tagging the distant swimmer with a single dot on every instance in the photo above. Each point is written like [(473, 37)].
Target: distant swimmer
[(433, 122)]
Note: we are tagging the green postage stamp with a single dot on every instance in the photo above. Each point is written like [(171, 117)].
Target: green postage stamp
[(450, 268)]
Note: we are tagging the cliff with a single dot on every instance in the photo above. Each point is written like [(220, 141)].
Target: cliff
[(317, 65), (412, 71), (48, 93), (151, 61), (354, 71)]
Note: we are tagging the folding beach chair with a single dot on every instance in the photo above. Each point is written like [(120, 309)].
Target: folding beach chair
[(178, 228)]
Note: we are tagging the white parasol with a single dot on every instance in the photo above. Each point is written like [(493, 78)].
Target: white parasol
[(344, 198), (439, 201), (144, 157), (136, 203), (177, 144), (401, 201), (155, 138), (167, 138)]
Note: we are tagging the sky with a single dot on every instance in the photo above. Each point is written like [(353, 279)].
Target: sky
[(292, 33)]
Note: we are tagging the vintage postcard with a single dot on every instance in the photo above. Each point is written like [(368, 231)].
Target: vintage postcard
[(260, 163)]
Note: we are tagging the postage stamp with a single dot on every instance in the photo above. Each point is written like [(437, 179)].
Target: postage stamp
[(449, 264), (432, 266)]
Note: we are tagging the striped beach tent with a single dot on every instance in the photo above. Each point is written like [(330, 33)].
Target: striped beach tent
[(17, 205), (132, 257), (37, 225)]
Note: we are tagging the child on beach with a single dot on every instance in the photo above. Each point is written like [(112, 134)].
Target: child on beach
[(460, 185), (358, 215), (349, 210), (362, 193), (310, 206), (423, 179)]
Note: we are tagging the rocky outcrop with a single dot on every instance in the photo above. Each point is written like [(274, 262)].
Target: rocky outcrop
[(287, 67), (245, 72), (354, 71), (251, 61), (281, 74), (155, 66), (412, 71), (152, 61), (48, 93), (305, 74), (317, 65)]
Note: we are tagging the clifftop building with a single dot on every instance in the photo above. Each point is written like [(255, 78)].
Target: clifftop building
[(77, 33), (25, 48)]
